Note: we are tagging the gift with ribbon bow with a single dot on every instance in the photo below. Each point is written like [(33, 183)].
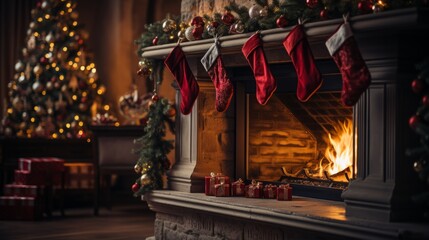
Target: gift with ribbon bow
[(238, 188), (222, 189), (270, 191), (284, 192), (254, 190), (212, 180)]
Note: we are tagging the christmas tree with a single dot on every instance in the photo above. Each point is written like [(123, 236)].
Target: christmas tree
[(55, 89), (420, 124)]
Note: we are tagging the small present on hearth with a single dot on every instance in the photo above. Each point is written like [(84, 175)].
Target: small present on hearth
[(254, 190), (222, 189), (210, 181), (20, 190), (20, 208), (237, 188), (284, 192), (270, 191), (40, 171)]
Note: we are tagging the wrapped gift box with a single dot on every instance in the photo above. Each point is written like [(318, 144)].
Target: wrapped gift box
[(254, 190), (270, 191), (30, 178), (238, 188), (22, 190), (284, 192), (20, 208), (212, 180), (222, 190), (41, 164)]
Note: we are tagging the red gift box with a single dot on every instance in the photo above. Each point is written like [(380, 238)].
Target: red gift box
[(22, 190), (41, 164), (284, 192), (222, 189), (30, 178), (270, 191), (254, 190), (212, 180), (238, 188), (20, 208)]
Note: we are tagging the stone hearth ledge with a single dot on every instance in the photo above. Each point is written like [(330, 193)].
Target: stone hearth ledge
[(305, 214)]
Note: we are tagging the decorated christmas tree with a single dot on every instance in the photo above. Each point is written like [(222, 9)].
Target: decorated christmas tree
[(420, 124), (55, 90)]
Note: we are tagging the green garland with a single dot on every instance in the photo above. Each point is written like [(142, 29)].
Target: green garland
[(152, 148), (292, 10)]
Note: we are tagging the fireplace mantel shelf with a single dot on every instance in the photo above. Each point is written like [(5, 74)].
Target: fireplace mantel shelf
[(301, 213), (272, 38)]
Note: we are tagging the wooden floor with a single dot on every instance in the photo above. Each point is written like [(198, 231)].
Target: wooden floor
[(125, 221)]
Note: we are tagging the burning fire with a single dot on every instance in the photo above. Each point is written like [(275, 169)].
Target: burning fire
[(339, 152)]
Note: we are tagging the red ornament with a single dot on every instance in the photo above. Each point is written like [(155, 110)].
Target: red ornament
[(135, 187), (425, 100), (155, 40), (365, 6), (413, 121), (228, 18), (417, 85), (312, 3), (197, 32), (155, 98), (215, 24), (282, 21), (324, 14), (197, 21), (143, 121)]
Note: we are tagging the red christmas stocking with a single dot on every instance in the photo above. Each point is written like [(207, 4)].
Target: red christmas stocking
[(309, 78), (178, 66), (212, 62), (265, 82), (356, 77)]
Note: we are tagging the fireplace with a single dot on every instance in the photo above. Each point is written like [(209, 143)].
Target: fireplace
[(287, 141), (377, 187)]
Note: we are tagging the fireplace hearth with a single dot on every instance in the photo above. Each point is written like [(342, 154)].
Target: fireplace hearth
[(375, 193)]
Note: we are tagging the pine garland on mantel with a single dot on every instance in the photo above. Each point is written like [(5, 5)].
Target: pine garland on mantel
[(261, 16)]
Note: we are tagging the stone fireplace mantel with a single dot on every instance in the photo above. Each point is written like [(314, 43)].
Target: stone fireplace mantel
[(391, 43)]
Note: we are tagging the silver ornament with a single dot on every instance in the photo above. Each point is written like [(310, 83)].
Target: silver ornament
[(188, 33), (19, 66), (239, 27), (211, 30), (254, 11)]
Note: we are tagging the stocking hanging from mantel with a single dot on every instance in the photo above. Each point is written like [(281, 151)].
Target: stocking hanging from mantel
[(213, 63), (298, 48), (266, 84), (178, 65), (344, 49)]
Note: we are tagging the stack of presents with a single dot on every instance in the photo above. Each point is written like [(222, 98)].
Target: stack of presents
[(220, 186), (30, 195)]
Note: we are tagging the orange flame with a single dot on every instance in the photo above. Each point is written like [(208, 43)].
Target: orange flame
[(339, 152)]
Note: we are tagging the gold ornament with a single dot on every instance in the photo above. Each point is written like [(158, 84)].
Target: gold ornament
[(137, 168), (263, 12), (37, 70), (145, 179), (183, 26), (169, 25)]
